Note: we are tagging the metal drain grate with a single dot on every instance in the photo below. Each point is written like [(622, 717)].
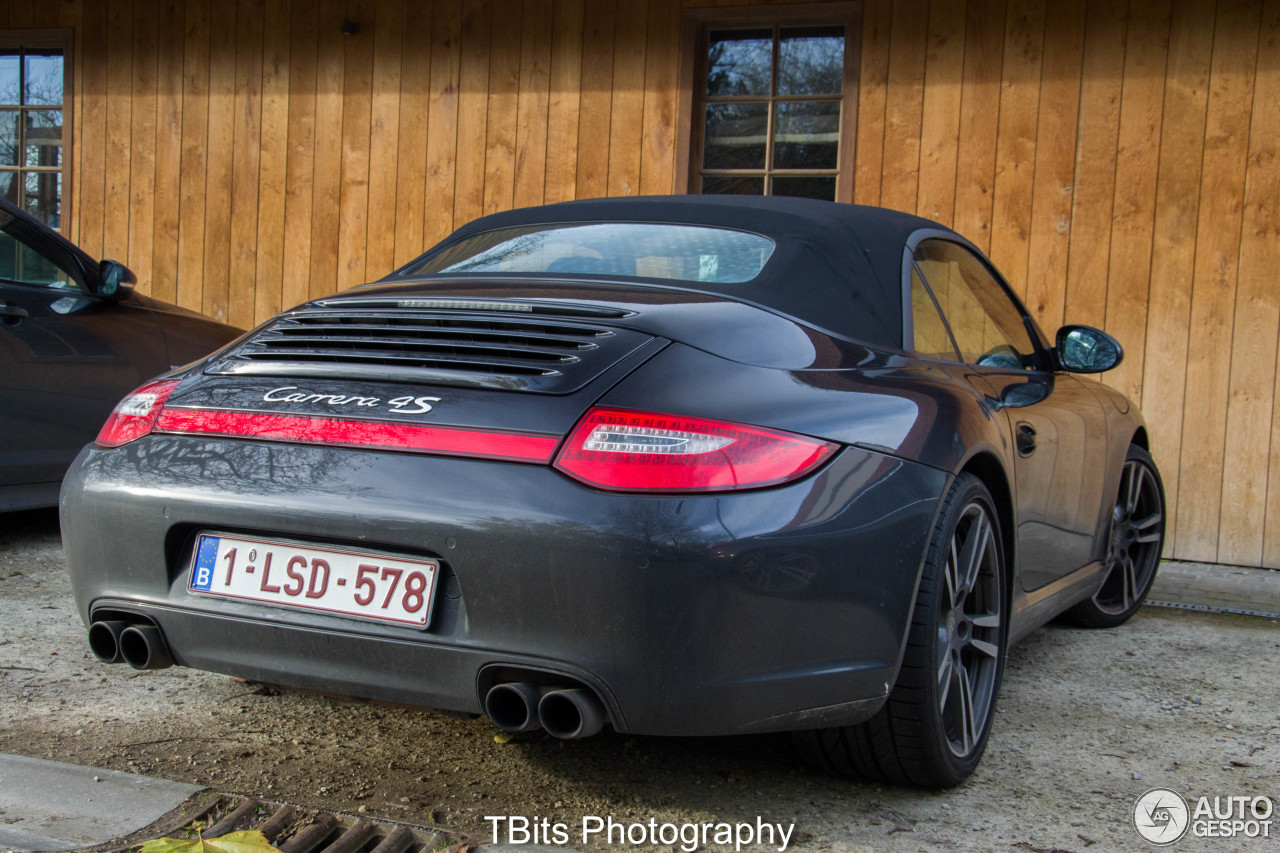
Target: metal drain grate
[(293, 829), (1206, 608)]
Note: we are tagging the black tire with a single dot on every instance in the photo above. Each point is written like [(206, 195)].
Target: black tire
[(934, 727), (1134, 542)]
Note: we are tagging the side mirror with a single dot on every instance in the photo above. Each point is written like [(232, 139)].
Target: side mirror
[(115, 280), (1084, 349)]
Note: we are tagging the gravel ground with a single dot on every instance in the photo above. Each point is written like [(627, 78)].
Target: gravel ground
[(1088, 721)]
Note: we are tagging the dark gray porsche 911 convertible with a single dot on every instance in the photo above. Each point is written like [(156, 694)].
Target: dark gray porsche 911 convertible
[(682, 466)]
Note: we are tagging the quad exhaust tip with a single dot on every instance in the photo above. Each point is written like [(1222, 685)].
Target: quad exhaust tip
[(571, 714), (104, 640), (142, 647), (565, 713), (139, 645), (513, 707)]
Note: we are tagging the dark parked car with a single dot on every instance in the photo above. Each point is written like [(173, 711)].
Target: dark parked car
[(684, 466), (74, 339)]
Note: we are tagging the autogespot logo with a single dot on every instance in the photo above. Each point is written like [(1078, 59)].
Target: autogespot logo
[(1161, 816)]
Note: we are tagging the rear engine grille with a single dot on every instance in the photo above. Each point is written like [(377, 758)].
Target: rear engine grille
[(437, 347)]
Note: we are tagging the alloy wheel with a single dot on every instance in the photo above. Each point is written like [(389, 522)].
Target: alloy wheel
[(969, 627), (1133, 549)]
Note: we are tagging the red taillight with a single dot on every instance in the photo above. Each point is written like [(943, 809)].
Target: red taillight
[(135, 415), (304, 429), (630, 451)]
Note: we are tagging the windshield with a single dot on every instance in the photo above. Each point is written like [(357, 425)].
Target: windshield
[(625, 249)]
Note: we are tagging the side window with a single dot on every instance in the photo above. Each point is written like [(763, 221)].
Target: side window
[(931, 338), (987, 325), (23, 264)]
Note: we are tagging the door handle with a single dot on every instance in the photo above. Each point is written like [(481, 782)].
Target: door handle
[(1025, 437), (12, 314)]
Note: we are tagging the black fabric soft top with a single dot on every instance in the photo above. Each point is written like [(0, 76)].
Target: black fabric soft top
[(836, 267)]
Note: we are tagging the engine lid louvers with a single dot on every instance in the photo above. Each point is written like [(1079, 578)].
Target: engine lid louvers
[(480, 349)]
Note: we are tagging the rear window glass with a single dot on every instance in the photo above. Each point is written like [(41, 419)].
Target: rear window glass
[(631, 250)]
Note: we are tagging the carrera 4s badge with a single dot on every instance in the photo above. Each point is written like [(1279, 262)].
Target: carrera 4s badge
[(397, 405)]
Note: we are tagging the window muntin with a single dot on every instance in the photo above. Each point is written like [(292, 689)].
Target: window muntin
[(32, 84), (622, 249), (770, 109), (986, 324)]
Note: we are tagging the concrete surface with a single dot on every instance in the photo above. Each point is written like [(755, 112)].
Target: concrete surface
[(48, 805), (1205, 586)]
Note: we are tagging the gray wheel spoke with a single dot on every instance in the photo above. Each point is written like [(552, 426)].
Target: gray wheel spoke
[(1136, 475), (1150, 521), (975, 546), (986, 620), (991, 650), (1130, 581), (968, 721), (949, 572), (945, 673), (1149, 528)]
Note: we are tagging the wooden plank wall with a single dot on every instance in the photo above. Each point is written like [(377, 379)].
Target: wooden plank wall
[(1118, 160), (245, 155)]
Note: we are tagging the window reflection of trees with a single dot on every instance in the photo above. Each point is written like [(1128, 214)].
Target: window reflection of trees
[(740, 62), (31, 94), (266, 469), (773, 104)]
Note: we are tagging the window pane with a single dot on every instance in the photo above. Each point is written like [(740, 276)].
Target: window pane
[(816, 187), (19, 262), (44, 138), (10, 78), (987, 326), (9, 137), (44, 78), (739, 62), (44, 197), (931, 338), (735, 136), (9, 186), (732, 185), (806, 135), (811, 61)]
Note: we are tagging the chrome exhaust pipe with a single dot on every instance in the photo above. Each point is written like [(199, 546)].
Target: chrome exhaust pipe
[(571, 714), (104, 640), (142, 647), (513, 706)]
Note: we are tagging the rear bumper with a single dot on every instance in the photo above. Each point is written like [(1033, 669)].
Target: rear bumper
[(708, 614)]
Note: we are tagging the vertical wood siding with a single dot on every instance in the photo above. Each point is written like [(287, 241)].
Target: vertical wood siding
[(1117, 159)]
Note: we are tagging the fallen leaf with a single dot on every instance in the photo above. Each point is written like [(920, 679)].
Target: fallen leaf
[(246, 841)]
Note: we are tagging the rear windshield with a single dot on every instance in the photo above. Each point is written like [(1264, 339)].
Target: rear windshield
[(621, 249)]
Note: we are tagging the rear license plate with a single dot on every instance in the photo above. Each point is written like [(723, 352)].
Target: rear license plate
[(307, 577)]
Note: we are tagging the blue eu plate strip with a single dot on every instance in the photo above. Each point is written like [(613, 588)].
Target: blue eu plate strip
[(206, 558)]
